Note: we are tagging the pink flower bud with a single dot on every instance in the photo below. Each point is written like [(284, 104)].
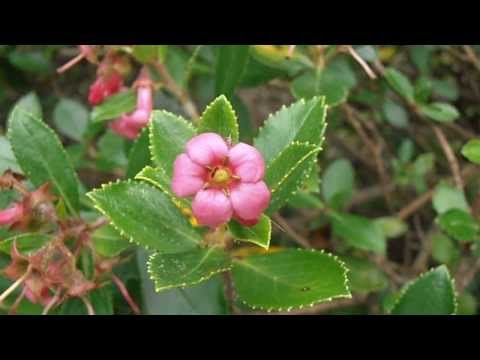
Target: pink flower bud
[(129, 126), (226, 182), (12, 214), (105, 86)]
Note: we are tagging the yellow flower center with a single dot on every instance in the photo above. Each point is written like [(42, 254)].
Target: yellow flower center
[(221, 176)]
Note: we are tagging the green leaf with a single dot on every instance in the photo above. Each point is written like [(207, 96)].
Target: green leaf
[(31, 104), (139, 155), (289, 279), (146, 216), (286, 174), (444, 249), (186, 268), (314, 83), (459, 224), (205, 298), (34, 62), (400, 83), (441, 112), (391, 226), (219, 117), (111, 152), (395, 114), (102, 300), (447, 197), (168, 135), (337, 184), (363, 276), (303, 121), (359, 232), (149, 53), (7, 159), (26, 243), (70, 118), (231, 63), (259, 234), (114, 106), (432, 293), (108, 242), (471, 150), (42, 157)]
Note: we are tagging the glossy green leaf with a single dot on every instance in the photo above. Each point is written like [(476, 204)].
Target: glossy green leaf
[(467, 304), (186, 268), (400, 83), (168, 135), (219, 117), (7, 158), (459, 224), (289, 279), (303, 121), (70, 118), (444, 249), (432, 293), (359, 232), (108, 242), (441, 112), (114, 106), (111, 152), (205, 298), (313, 83), (146, 216), (447, 197), (31, 104), (34, 62), (42, 157), (231, 63), (258, 234), (395, 114), (288, 172), (364, 276), (337, 183), (139, 155), (471, 150), (26, 243)]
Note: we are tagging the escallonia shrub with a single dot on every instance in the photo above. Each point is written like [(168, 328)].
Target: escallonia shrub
[(144, 189)]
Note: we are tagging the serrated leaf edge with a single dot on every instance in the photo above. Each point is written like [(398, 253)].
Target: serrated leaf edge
[(264, 246), (57, 140), (151, 147), (209, 106), (98, 208), (421, 276), (184, 284), (288, 309)]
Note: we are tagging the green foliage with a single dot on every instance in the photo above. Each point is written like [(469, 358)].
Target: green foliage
[(459, 224), (289, 279), (70, 118), (231, 63), (471, 150), (259, 234), (114, 106), (431, 294), (219, 117), (338, 182)]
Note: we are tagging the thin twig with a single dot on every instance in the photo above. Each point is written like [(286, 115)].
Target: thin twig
[(229, 291), (123, 290), (177, 91), (361, 62), (52, 302), (16, 284), (472, 56), (71, 63), (88, 305), (291, 232), (452, 160)]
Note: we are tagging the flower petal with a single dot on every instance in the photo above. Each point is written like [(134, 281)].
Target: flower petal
[(122, 127), (246, 162), (211, 207), (249, 200), (188, 177), (12, 214), (207, 149)]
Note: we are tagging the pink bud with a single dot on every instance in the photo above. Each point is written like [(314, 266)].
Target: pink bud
[(105, 86), (12, 214), (225, 182), (123, 127)]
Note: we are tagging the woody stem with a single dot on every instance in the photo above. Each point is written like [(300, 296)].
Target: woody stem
[(16, 284)]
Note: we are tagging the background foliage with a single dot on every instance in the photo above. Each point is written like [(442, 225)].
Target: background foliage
[(392, 193)]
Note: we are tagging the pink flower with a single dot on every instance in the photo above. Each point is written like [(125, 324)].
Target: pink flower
[(129, 125), (12, 214), (104, 87), (226, 181)]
